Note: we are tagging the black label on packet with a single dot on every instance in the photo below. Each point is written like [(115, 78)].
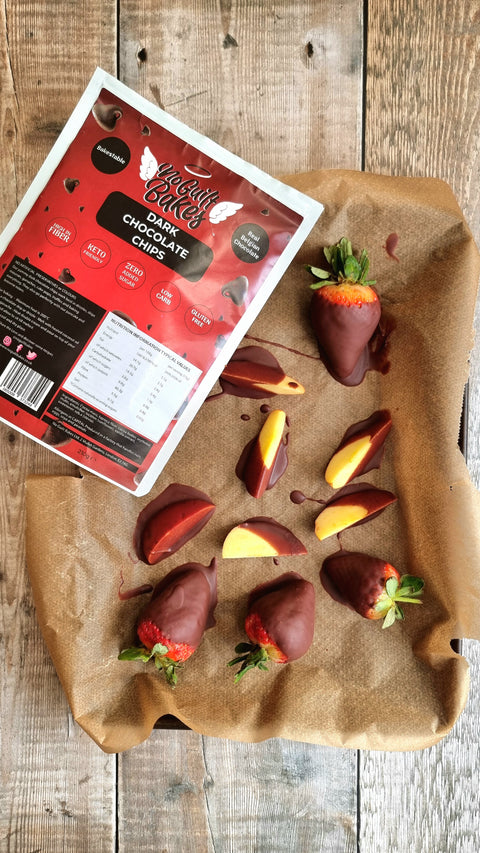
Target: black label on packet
[(147, 231), (45, 326)]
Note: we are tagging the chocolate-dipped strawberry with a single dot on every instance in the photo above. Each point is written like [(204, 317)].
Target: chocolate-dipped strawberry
[(370, 586), (255, 373), (170, 520), (280, 623), (264, 459), (344, 312), (360, 450), (355, 504), (261, 537), (171, 625)]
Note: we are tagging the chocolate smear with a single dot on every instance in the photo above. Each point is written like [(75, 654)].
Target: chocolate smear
[(124, 595), (391, 244)]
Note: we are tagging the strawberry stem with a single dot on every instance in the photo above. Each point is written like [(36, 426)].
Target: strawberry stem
[(160, 657), (398, 592), (344, 266), (251, 656)]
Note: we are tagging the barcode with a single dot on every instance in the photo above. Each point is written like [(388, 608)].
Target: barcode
[(24, 384)]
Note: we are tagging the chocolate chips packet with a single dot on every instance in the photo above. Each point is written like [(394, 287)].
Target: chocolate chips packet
[(131, 270)]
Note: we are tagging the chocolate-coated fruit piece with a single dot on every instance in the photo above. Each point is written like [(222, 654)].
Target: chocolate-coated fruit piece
[(354, 507), (171, 625), (264, 459), (255, 373), (344, 312), (107, 115), (236, 290), (279, 623), (172, 526), (360, 449), (369, 585), (261, 537)]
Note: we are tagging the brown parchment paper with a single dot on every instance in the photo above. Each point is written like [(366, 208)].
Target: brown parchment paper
[(358, 686)]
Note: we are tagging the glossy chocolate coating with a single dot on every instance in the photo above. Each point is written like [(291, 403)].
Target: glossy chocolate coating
[(173, 494), (183, 603), (377, 427), (343, 333), (363, 494), (279, 537), (257, 365), (286, 607), (252, 471), (353, 579), (374, 500)]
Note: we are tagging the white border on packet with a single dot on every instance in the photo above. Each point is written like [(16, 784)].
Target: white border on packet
[(301, 204)]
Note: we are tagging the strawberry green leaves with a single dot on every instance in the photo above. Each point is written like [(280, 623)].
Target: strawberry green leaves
[(159, 653), (344, 266), (369, 585), (251, 657), (407, 590)]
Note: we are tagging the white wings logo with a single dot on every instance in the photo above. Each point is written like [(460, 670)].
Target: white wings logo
[(148, 165), (221, 211)]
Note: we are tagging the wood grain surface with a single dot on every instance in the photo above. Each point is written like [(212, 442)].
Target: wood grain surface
[(392, 87)]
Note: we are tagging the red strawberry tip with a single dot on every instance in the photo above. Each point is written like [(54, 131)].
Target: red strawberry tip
[(162, 661), (251, 656), (397, 592)]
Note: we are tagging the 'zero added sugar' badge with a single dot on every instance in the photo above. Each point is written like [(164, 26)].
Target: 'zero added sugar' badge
[(165, 296), (60, 232), (199, 319), (130, 275), (95, 253)]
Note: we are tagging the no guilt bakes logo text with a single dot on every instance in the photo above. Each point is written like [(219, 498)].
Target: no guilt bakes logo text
[(166, 187)]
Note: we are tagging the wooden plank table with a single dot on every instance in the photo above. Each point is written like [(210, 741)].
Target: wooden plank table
[(391, 87)]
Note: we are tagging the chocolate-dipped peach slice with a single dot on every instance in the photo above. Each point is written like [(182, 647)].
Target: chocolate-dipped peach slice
[(264, 459), (261, 537), (355, 505), (360, 449), (279, 623), (170, 520), (254, 372)]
